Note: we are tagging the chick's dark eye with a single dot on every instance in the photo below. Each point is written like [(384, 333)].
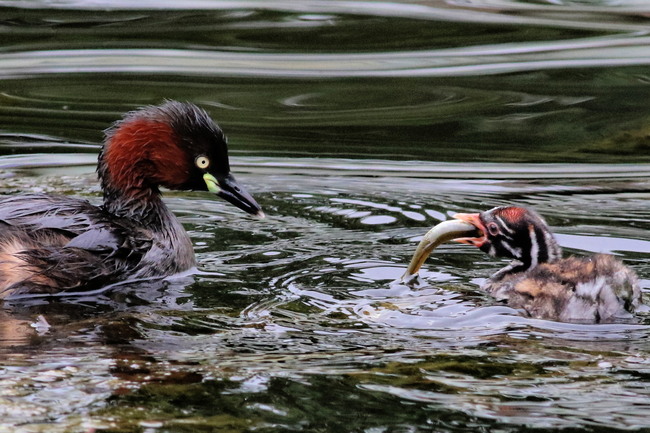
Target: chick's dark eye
[(493, 229)]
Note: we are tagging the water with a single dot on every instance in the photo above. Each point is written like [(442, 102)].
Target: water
[(357, 126)]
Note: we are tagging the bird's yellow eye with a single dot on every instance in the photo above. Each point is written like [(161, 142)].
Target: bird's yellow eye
[(202, 162)]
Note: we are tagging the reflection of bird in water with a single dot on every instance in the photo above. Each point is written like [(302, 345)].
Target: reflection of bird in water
[(18, 331), (593, 289), (51, 244)]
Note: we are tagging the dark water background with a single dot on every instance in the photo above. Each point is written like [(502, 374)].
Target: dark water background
[(357, 125)]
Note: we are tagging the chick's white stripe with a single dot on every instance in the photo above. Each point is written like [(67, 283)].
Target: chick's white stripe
[(516, 252), (505, 227), (534, 247), (551, 251)]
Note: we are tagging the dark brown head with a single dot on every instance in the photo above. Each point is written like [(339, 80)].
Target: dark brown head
[(175, 145), (513, 232)]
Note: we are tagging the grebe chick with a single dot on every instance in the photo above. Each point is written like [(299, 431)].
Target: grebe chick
[(594, 289), (51, 244)]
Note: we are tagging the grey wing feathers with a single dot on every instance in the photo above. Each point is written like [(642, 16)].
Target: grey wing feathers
[(63, 243)]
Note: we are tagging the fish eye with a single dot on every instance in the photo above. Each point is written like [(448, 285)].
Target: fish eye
[(493, 228), (202, 162)]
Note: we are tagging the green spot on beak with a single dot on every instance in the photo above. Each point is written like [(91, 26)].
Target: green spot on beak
[(212, 183)]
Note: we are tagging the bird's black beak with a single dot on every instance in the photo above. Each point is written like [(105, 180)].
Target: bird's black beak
[(230, 190)]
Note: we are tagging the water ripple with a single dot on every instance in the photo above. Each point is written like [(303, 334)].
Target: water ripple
[(606, 52), (477, 12)]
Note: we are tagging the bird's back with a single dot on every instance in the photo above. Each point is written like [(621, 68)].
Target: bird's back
[(596, 289), (51, 244)]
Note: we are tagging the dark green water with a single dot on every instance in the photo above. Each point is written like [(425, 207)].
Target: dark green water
[(358, 126)]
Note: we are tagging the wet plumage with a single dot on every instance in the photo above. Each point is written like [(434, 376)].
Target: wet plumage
[(51, 244), (594, 289)]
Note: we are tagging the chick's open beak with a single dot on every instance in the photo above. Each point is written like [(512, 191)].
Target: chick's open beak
[(475, 220), (230, 190)]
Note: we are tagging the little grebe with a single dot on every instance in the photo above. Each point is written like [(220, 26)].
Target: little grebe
[(595, 289), (52, 244)]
